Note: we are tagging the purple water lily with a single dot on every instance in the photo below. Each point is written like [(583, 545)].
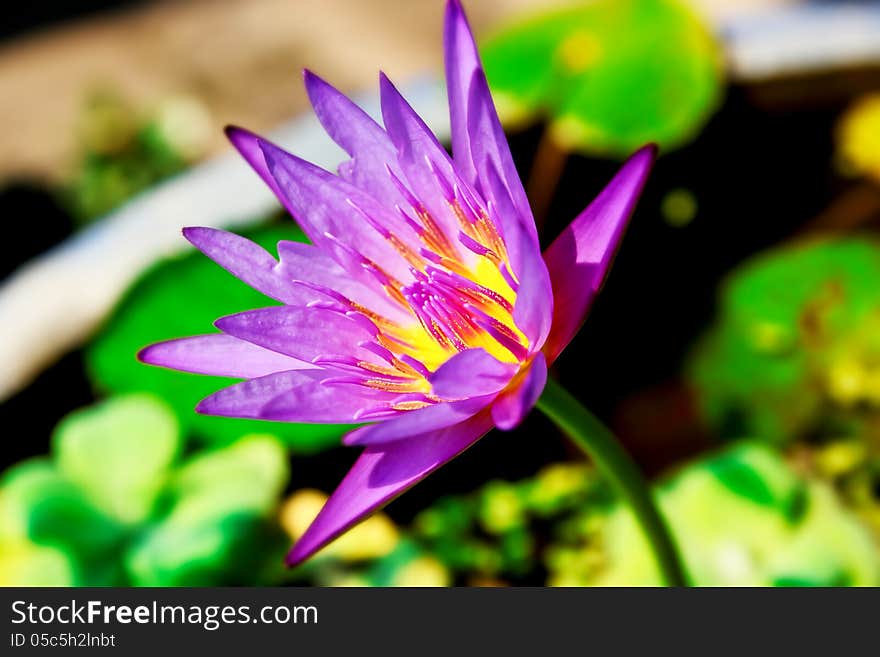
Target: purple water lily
[(423, 306)]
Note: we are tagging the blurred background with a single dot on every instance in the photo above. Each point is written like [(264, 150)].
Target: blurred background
[(735, 349)]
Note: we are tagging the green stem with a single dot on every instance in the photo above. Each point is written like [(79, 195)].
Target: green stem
[(597, 441)]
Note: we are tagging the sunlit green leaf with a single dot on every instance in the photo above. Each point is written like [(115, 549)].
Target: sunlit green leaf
[(23, 563), (795, 347), (611, 74), (197, 546), (217, 529), (118, 452), (745, 534), (758, 476), (39, 504), (248, 474)]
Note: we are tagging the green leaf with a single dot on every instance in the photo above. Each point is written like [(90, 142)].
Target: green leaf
[(217, 530), (735, 532), (178, 298), (744, 481), (794, 347), (611, 74), (247, 475), (39, 505), (206, 550), (26, 564), (756, 474), (118, 452)]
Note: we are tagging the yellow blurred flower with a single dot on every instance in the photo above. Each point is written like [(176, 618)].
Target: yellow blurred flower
[(374, 538), (424, 571), (858, 137)]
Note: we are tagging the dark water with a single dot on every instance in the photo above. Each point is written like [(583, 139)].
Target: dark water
[(22, 18)]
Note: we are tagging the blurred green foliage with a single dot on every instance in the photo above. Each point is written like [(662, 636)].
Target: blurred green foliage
[(491, 535), (124, 151), (745, 518), (156, 309), (794, 351), (117, 503), (611, 74), (793, 358)]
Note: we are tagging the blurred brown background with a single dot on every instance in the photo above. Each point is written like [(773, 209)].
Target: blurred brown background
[(153, 49)]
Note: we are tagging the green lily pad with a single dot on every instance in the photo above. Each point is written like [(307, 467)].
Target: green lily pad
[(611, 75), (217, 530), (249, 474), (28, 564), (119, 452), (232, 549), (729, 535), (40, 505), (756, 474), (182, 297), (794, 348)]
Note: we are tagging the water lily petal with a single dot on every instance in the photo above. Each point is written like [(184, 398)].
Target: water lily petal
[(471, 373), (247, 261), (489, 148), (303, 333), (512, 406), (380, 474), (580, 257), (416, 423), (218, 355), (295, 396), (422, 159), (533, 311), (308, 263), (461, 59), (248, 144), (336, 215), (360, 136), (478, 139)]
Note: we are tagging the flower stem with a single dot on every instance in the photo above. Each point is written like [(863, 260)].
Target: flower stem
[(548, 166), (597, 441)]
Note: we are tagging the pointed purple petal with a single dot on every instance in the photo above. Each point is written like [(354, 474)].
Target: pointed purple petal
[(471, 373), (513, 405), (218, 355), (489, 149), (478, 139), (248, 144), (418, 422), (533, 310), (346, 123), (417, 152), (302, 394), (247, 261), (360, 136), (306, 262), (324, 205), (303, 333), (382, 473), (461, 60), (580, 257), (320, 204)]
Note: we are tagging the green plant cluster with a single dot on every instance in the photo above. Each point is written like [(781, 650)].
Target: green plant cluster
[(609, 75), (119, 502), (123, 152)]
